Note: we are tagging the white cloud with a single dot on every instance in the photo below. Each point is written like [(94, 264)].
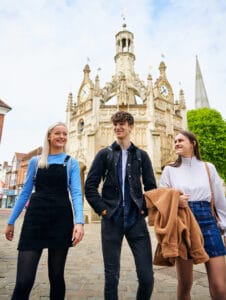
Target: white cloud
[(45, 45)]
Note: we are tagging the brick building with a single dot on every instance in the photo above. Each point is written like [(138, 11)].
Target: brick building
[(16, 175)]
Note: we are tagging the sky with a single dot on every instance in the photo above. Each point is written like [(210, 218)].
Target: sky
[(45, 44)]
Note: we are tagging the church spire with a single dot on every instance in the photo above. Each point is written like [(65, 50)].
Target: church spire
[(201, 99)]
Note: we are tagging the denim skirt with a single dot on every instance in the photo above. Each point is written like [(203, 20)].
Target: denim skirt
[(213, 242)]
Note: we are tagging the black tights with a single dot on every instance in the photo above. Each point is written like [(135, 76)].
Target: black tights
[(26, 271)]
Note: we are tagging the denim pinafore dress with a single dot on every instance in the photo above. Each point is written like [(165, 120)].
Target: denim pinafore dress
[(48, 222)]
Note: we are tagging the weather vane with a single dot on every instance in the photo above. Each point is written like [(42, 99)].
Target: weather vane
[(124, 20), (180, 85)]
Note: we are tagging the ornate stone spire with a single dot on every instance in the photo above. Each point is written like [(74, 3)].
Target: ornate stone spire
[(86, 71), (162, 69), (182, 99), (201, 99), (69, 107)]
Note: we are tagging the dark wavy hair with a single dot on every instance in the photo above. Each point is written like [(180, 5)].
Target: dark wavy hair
[(122, 116), (193, 140)]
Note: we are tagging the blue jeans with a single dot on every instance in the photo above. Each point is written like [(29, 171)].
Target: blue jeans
[(138, 238)]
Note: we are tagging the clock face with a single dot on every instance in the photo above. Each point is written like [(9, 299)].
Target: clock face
[(164, 91), (85, 92)]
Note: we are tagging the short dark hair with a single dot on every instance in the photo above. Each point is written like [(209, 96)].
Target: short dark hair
[(122, 116)]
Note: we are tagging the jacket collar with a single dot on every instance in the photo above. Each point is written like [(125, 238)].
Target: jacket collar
[(116, 147)]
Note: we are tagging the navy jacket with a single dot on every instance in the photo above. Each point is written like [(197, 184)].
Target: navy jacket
[(103, 169)]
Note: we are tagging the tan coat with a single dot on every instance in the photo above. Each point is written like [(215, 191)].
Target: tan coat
[(176, 229)]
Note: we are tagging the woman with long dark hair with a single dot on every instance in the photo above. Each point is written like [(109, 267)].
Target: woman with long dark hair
[(189, 175)]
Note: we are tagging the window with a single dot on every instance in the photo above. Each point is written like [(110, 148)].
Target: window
[(80, 126)]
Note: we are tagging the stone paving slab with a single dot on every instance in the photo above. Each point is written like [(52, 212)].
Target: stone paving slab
[(84, 270)]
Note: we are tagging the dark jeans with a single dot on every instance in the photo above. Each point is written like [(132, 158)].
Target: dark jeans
[(138, 238)]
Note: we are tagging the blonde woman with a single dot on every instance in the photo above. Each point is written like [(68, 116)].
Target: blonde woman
[(48, 222)]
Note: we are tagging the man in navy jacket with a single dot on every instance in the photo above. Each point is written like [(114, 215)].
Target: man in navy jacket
[(122, 206)]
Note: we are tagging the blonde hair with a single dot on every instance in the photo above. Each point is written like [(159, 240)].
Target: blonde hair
[(45, 150)]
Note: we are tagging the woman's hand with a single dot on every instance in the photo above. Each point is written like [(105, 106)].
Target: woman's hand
[(183, 200), (9, 232), (77, 234)]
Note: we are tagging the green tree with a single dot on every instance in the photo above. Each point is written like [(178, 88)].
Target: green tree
[(210, 129)]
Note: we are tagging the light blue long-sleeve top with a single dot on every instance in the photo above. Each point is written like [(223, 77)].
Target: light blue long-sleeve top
[(74, 185), (191, 178)]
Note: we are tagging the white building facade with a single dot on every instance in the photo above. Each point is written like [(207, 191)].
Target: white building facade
[(158, 116)]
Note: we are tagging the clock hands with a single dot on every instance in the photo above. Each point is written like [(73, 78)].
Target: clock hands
[(85, 92), (163, 90)]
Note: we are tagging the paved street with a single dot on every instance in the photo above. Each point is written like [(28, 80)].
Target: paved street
[(84, 271)]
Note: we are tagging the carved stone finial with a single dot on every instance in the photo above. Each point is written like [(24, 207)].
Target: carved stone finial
[(162, 69)]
